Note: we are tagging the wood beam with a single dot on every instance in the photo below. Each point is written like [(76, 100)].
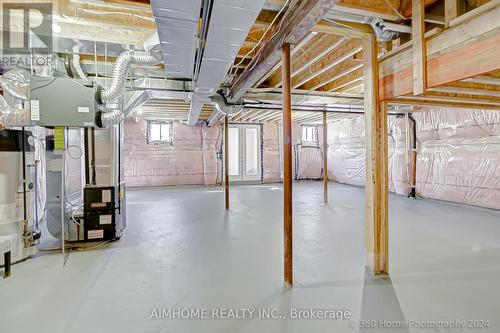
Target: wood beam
[(287, 166), (376, 187), (461, 17), (325, 80), (484, 80), (296, 22), (436, 98), (226, 160), (339, 55), (467, 91), (347, 81), (419, 44), (377, 8), (457, 53), (276, 68), (317, 49), (451, 10), (325, 158), (343, 29)]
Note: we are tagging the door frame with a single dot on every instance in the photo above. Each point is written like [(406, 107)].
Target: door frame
[(260, 153)]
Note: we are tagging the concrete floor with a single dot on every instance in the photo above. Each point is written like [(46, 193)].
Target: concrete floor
[(181, 250)]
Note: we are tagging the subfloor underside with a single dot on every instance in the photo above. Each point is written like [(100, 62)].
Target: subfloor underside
[(181, 250)]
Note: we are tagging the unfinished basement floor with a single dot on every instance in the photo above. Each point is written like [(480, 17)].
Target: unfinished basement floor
[(182, 250)]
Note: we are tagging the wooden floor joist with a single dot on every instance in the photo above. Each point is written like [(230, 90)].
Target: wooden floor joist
[(297, 21)]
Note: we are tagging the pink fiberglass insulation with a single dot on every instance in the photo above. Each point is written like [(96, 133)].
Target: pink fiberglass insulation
[(347, 158), (306, 160), (271, 161), (190, 159), (458, 156)]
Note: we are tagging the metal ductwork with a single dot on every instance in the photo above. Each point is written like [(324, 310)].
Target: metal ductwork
[(110, 96), (120, 69), (221, 105), (177, 23), (230, 22), (15, 84), (13, 117)]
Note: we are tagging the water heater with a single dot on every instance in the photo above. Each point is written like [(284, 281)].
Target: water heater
[(17, 198)]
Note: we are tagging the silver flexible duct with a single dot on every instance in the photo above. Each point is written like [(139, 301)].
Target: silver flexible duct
[(120, 69), (16, 83), (10, 116), (224, 107), (111, 118)]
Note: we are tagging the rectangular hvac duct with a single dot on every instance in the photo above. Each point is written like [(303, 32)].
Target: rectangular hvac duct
[(177, 24), (230, 23)]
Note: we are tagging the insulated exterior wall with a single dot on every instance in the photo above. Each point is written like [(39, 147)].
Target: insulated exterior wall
[(347, 158), (459, 155), (271, 153), (190, 159), (307, 159)]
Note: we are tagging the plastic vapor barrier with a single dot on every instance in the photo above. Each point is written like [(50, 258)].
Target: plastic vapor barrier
[(306, 158), (347, 157), (190, 158), (458, 155)]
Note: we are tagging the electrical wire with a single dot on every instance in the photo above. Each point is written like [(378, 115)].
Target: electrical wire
[(264, 34)]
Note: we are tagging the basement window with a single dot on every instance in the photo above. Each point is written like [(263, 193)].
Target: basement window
[(309, 135), (159, 132)]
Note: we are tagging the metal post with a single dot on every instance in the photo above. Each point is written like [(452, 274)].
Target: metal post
[(325, 159), (226, 159), (287, 164)]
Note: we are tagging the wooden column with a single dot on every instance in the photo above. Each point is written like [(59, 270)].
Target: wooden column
[(452, 9), (287, 164), (325, 158), (376, 188), (226, 159), (419, 48)]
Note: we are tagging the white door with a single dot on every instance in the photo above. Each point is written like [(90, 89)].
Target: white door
[(244, 153)]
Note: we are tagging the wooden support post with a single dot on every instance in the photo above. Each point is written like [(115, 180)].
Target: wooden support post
[(452, 9), (376, 189), (226, 159), (287, 163), (419, 47), (325, 158)]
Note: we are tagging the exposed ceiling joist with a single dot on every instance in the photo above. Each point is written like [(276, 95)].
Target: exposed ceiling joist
[(294, 25)]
